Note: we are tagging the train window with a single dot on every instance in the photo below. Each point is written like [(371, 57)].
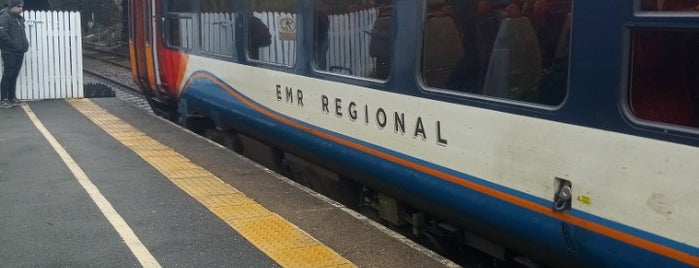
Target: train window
[(179, 25), (178, 6), (132, 22), (272, 31), (216, 6), (179, 32), (148, 24), (217, 22), (516, 50), (670, 5), (354, 37), (664, 82)]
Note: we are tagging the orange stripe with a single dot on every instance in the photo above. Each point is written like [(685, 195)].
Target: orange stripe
[(592, 226), (150, 65), (134, 67)]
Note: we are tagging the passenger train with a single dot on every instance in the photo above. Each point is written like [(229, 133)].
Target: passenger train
[(565, 131)]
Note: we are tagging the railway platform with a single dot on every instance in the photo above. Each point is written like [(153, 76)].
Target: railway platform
[(99, 183)]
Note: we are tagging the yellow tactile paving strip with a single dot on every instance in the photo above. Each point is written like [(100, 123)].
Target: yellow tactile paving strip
[(280, 240)]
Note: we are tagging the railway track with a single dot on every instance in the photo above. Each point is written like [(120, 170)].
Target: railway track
[(112, 68), (111, 80), (114, 51), (119, 59), (101, 64)]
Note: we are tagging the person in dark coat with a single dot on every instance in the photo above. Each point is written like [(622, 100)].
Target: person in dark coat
[(259, 36), (13, 44)]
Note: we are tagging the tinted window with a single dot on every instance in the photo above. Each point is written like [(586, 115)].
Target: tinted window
[(272, 31), (515, 50), (179, 31), (217, 22), (664, 84), (216, 6), (670, 5), (178, 6), (354, 37), (179, 25)]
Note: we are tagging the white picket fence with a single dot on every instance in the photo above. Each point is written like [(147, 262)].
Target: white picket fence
[(348, 39), (280, 51), (53, 66), (218, 33)]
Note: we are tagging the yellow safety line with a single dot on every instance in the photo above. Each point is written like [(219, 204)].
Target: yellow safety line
[(282, 241)]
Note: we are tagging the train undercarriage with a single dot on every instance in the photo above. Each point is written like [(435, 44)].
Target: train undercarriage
[(441, 236)]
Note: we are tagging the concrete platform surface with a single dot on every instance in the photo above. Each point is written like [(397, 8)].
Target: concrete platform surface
[(49, 217)]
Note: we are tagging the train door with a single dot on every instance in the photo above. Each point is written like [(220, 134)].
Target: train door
[(155, 44), (136, 37), (178, 32), (140, 45)]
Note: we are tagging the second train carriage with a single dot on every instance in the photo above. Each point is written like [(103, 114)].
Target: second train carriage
[(563, 130)]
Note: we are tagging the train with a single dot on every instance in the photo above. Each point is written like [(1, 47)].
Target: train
[(557, 132)]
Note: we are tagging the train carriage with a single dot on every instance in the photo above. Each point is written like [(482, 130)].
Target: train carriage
[(566, 131)]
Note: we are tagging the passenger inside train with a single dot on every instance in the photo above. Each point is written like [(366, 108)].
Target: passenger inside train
[(354, 38), (259, 37), (271, 32), (510, 49)]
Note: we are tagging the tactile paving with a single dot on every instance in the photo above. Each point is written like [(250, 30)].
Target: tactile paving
[(107, 120), (280, 240), (147, 146), (272, 233), (172, 163), (226, 200), (234, 215), (139, 142), (204, 186), (311, 256), (118, 127), (126, 136), (185, 173), (158, 153)]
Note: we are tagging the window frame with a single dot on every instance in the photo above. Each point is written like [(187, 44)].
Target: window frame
[(233, 27), (638, 13), (346, 77), (169, 16), (167, 24), (426, 89), (660, 21), (248, 14)]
